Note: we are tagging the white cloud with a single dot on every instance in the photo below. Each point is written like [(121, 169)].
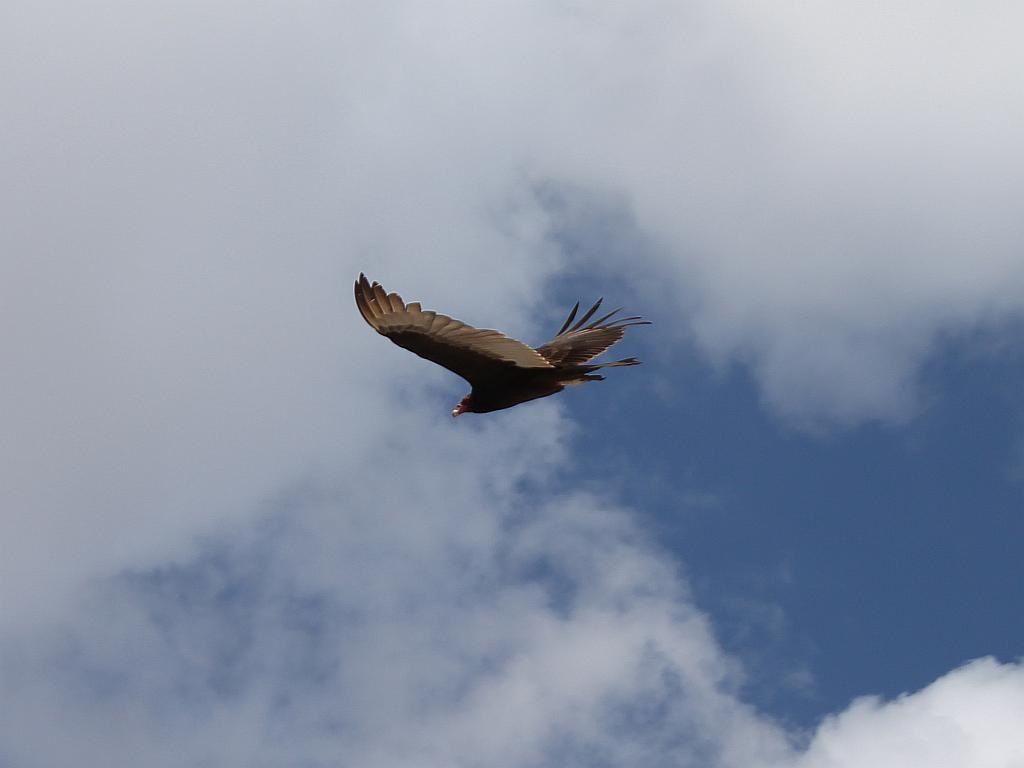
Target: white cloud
[(496, 632), (425, 622), (189, 193), (833, 185), (970, 717)]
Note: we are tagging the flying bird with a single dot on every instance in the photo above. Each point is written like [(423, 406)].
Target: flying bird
[(501, 371)]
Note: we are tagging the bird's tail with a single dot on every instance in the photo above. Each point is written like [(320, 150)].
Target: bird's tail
[(586, 372), (615, 363)]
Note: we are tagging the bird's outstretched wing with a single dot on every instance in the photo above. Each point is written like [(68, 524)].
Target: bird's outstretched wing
[(475, 354), (580, 343)]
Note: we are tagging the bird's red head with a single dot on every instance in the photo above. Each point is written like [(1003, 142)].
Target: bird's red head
[(465, 406)]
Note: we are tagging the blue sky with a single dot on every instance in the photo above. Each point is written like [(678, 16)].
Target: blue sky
[(239, 528), (836, 554)]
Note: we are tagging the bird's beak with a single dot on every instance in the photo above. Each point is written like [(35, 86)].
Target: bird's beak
[(456, 411)]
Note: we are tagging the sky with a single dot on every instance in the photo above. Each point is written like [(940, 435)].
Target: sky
[(238, 528)]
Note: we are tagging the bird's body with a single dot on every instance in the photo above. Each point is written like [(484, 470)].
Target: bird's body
[(503, 372)]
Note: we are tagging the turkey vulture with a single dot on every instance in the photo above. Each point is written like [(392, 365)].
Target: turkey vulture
[(502, 372)]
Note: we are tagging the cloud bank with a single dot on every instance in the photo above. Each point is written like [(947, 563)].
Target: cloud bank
[(346, 631), (189, 192)]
